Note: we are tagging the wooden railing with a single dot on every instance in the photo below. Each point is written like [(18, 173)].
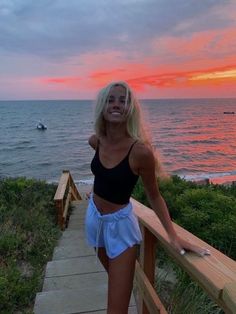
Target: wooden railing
[(66, 192), (216, 273)]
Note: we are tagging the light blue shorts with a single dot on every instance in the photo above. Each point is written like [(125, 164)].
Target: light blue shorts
[(115, 232)]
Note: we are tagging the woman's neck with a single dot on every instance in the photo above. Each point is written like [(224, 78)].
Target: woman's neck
[(116, 133)]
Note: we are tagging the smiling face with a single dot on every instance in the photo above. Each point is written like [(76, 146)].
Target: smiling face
[(116, 108)]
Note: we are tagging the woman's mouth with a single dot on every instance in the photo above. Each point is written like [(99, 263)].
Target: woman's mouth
[(116, 113)]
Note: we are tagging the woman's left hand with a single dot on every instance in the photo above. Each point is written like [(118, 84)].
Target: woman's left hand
[(182, 246)]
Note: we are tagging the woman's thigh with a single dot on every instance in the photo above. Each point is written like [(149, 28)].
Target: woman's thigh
[(102, 255), (120, 282)]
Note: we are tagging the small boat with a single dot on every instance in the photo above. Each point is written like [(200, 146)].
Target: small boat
[(229, 112), (41, 126)]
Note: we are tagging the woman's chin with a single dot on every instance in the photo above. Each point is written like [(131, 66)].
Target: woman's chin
[(115, 119)]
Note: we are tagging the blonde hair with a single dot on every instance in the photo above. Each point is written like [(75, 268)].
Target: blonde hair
[(135, 124)]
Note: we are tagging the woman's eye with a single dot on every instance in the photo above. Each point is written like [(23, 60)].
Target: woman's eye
[(110, 100)]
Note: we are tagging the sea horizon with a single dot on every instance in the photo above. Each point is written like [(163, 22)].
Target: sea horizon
[(93, 99)]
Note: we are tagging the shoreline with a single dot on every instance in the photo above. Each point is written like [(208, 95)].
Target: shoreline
[(217, 181), (85, 184)]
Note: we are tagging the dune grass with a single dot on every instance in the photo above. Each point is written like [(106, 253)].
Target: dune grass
[(28, 234)]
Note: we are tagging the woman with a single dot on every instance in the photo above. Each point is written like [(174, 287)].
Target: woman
[(123, 154)]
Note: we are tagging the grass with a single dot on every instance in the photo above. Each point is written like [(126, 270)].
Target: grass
[(28, 234), (178, 293)]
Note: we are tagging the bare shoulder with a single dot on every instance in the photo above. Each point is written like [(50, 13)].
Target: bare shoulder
[(143, 152), (142, 158), (93, 141)]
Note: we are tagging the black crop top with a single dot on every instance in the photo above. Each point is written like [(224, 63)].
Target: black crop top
[(113, 184)]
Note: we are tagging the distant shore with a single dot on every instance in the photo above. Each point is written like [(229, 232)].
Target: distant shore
[(229, 180)]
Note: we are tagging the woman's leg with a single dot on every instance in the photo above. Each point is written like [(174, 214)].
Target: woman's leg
[(120, 282), (102, 255)]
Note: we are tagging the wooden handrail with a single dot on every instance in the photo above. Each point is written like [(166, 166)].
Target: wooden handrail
[(216, 273), (66, 192)]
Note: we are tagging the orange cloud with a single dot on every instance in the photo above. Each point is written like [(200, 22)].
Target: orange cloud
[(68, 81), (150, 77), (185, 79), (106, 74), (216, 75)]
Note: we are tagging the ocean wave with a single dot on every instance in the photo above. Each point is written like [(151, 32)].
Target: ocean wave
[(213, 153), (45, 163), (15, 148), (207, 175), (84, 182), (208, 141), (24, 142), (13, 127), (183, 170)]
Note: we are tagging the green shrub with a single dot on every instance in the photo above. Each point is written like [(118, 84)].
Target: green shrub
[(28, 234), (207, 211)]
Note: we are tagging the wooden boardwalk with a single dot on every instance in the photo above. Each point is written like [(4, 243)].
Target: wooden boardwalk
[(74, 281)]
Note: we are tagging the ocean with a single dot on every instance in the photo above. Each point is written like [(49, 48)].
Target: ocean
[(196, 138)]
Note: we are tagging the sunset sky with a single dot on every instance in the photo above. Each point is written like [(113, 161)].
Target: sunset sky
[(68, 49)]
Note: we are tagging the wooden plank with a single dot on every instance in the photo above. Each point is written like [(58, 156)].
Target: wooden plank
[(149, 219), (59, 206), (147, 292), (61, 186), (229, 297), (67, 203), (147, 260), (211, 272), (75, 193)]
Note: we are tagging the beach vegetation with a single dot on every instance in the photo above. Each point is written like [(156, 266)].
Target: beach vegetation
[(28, 234)]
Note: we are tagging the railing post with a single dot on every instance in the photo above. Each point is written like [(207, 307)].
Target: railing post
[(60, 209), (66, 191), (147, 259), (229, 297)]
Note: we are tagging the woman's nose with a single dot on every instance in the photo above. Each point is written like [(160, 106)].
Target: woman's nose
[(116, 102)]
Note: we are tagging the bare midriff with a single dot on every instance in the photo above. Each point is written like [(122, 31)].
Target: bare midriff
[(104, 206)]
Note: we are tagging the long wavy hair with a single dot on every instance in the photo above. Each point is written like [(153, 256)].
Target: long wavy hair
[(135, 126)]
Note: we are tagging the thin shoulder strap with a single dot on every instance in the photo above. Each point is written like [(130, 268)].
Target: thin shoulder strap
[(131, 147)]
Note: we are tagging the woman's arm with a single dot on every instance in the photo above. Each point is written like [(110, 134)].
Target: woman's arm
[(93, 141), (146, 170)]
